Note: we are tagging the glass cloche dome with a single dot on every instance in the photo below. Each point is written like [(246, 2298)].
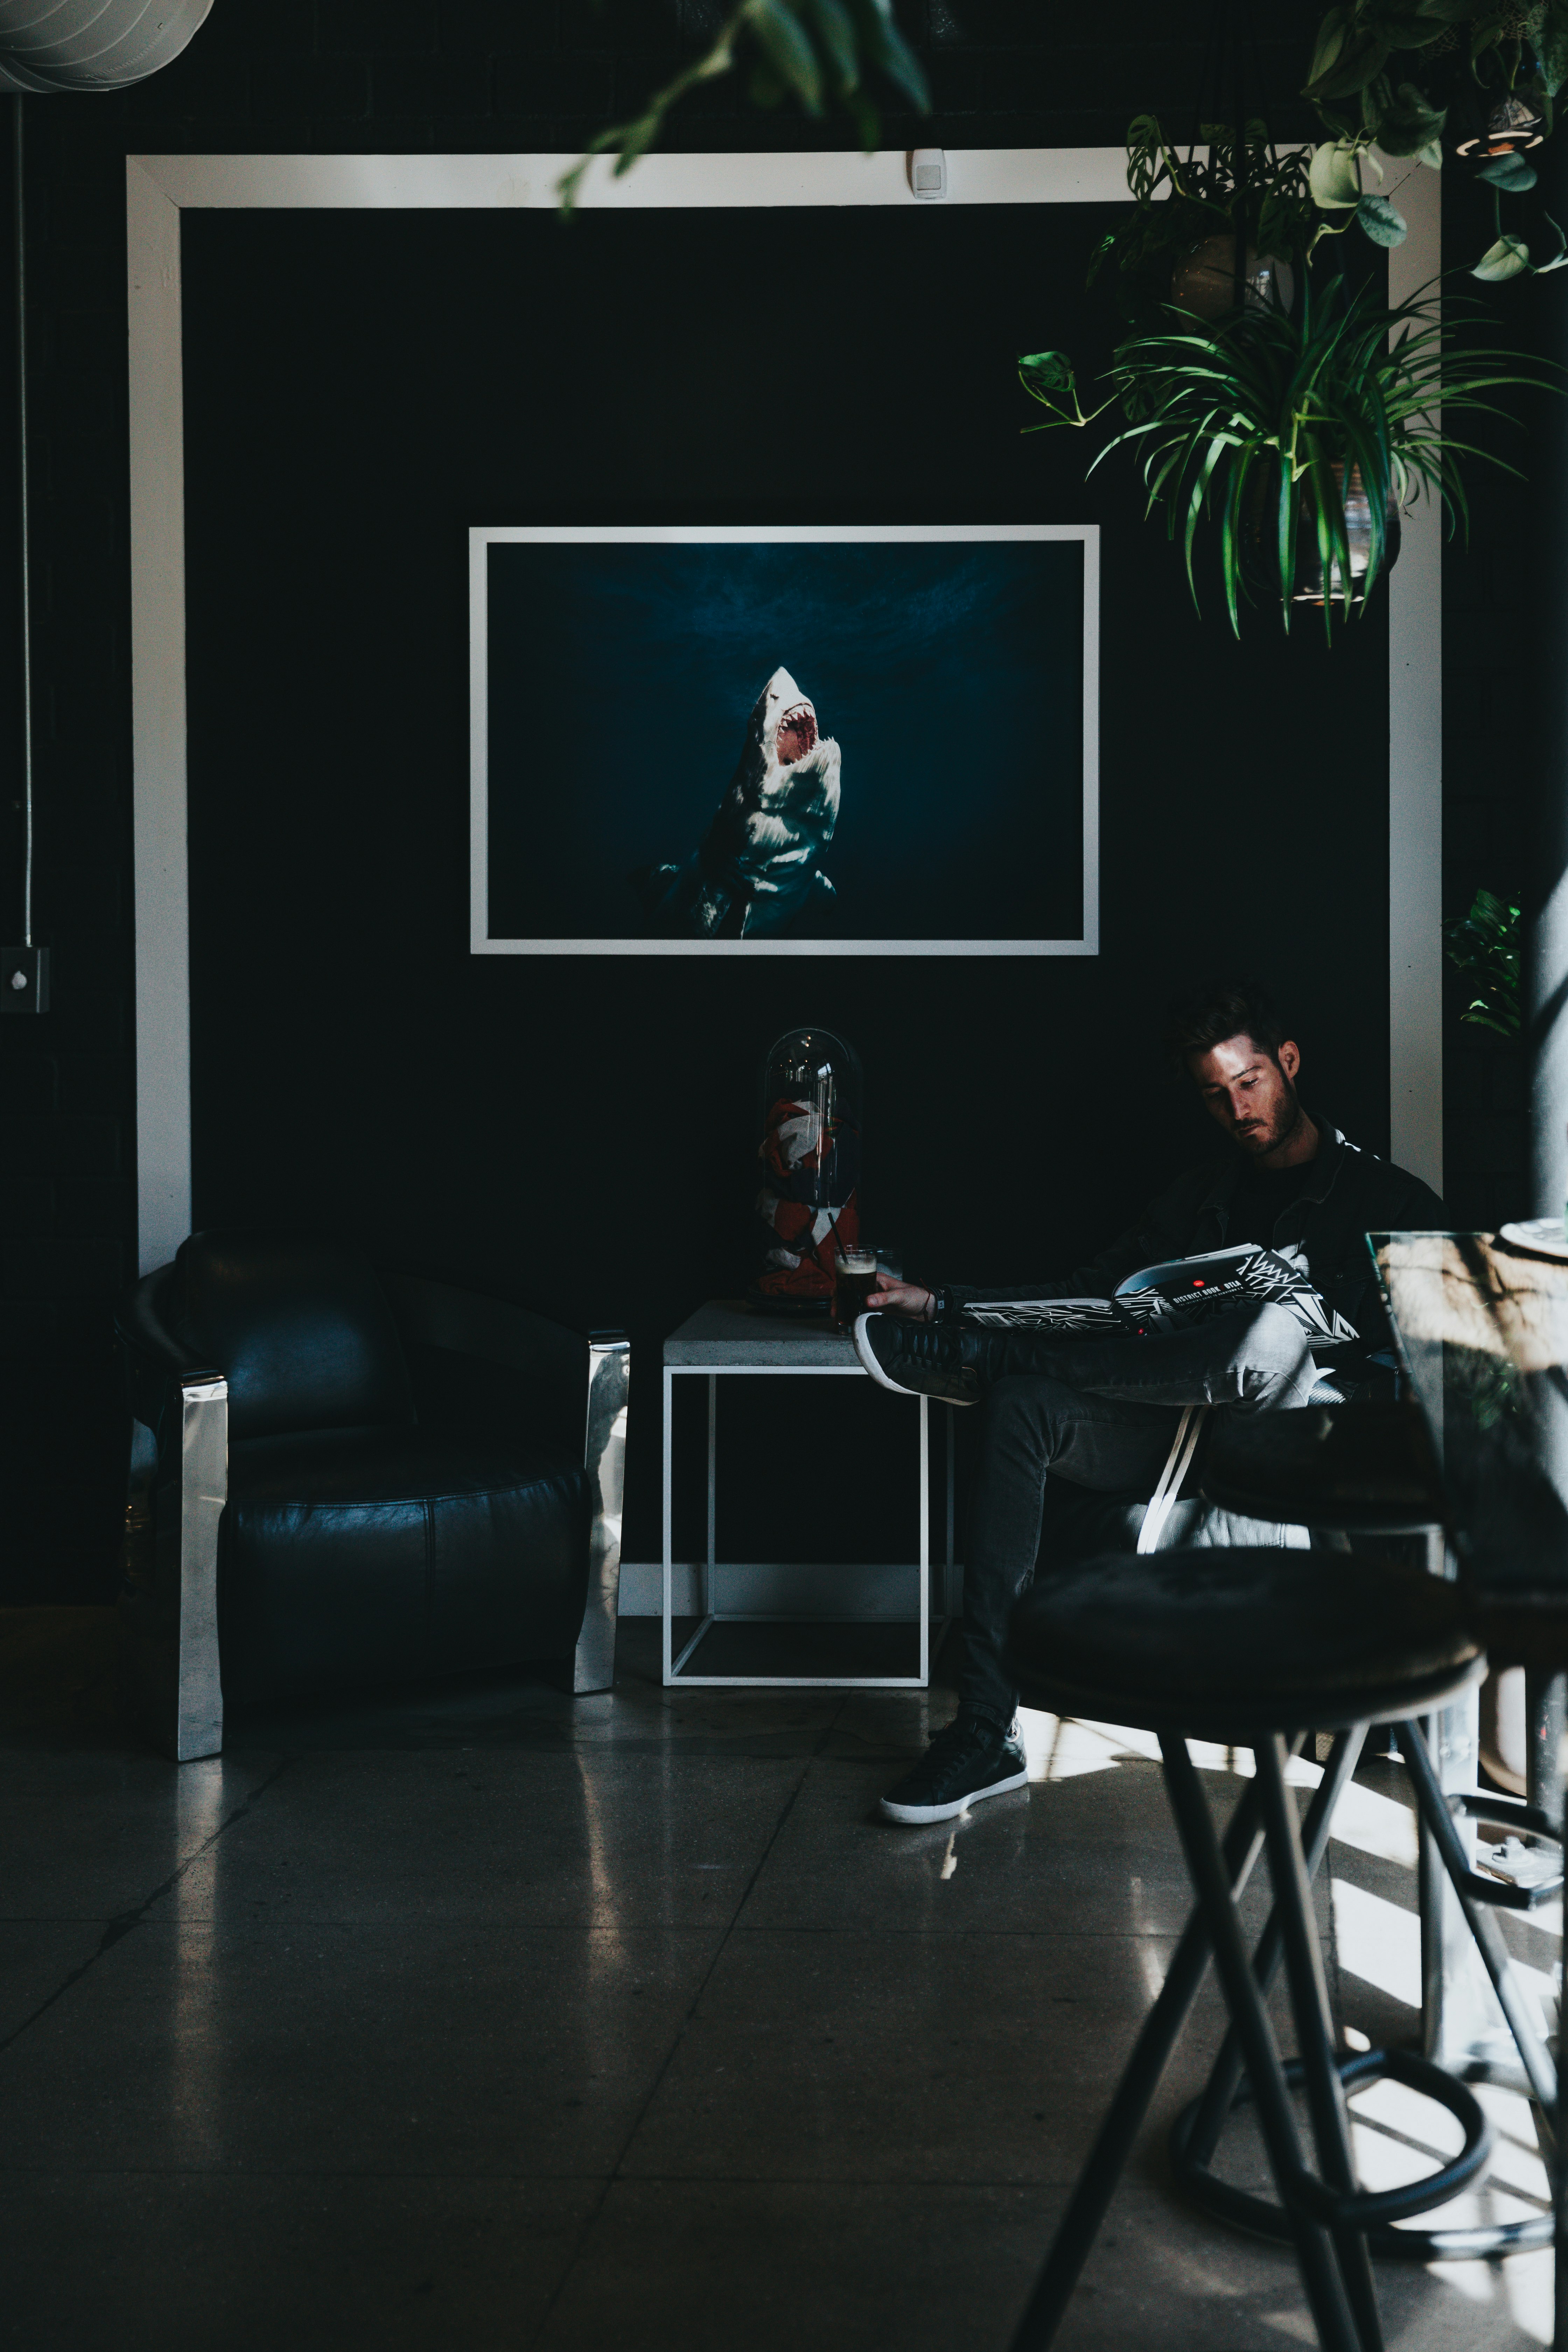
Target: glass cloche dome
[(810, 1158)]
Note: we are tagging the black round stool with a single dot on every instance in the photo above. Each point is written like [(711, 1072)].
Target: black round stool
[(1254, 1648), (1363, 1469), (1369, 1470)]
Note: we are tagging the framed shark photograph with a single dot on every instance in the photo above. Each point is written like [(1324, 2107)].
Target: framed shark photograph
[(785, 740)]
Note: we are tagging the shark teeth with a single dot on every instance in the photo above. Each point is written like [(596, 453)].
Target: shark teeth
[(796, 733)]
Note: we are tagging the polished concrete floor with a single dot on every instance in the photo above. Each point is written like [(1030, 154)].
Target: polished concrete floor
[(490, 2020)]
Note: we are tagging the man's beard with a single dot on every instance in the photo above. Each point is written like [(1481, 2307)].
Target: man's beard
[(1287, 1118)]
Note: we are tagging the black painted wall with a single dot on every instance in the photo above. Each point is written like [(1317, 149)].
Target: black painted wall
[(1220, 765), (359, 389)]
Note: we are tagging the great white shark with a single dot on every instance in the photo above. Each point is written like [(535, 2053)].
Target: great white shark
[(757, 867)]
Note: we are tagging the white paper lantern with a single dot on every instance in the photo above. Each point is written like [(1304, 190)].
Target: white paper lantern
[(60, 44)]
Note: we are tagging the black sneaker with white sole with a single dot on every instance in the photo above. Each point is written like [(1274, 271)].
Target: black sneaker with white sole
[(958, 1361), (932, 1360), (969, 1760)]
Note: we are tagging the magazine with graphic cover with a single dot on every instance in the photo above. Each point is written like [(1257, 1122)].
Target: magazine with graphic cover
[(1160, 1297)]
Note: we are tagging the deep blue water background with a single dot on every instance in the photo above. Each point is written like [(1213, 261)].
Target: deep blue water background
[(621, 677)]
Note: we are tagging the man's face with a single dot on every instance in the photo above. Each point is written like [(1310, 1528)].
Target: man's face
[(1249, 1093)]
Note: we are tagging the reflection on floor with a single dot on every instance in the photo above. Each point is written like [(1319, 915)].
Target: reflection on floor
[(490, 2018)]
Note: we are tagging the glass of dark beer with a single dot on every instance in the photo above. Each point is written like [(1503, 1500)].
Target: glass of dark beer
[(854, 1280)]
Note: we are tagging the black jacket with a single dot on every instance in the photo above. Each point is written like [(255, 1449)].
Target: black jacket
[(1348, 1195)]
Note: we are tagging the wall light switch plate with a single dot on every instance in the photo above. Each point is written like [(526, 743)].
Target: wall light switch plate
[(928, 173), (24, 980)]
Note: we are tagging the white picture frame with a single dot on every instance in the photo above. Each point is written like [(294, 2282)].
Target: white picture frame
[(482, 538)]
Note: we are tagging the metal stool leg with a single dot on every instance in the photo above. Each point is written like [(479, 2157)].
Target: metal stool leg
[(1456, 2021), (1079, 2224), (1439, 1821), (1203, 2136), (1558, 2175), (1544, 1701), (1195, 2135), (1309, 2006), (1337, 2330)]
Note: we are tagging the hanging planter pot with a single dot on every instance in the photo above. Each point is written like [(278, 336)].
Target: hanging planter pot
[(1211, 411), (1310, 587), (1204, 280), (1260, 543)]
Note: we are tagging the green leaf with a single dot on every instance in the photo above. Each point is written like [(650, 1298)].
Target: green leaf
[(1486, 941), (1100, 256), (1509, 172), (763, 87), (1361, 59), (1559, 258), (1551, 45), (1047, 377), (1506, 259), (835, 29), (886, 46), (1377, 217), (1045, 372), (787, 49), (1399, 23), (1410, 123), (1334, 177), (1331, 40)]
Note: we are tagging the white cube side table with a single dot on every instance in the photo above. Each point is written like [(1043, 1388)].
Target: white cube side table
[(723, 1340)]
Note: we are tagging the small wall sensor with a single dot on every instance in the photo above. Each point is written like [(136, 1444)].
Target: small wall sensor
[(928, 173), (24, 980)]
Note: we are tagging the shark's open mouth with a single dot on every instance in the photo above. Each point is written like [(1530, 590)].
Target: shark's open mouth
[(797, 733)]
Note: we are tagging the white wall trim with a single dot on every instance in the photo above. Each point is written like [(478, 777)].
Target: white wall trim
[(162, 895), (976, 175), (1415, 756), (159, 188)]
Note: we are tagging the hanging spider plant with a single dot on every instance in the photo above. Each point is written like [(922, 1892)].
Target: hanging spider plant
[(1270, 424)]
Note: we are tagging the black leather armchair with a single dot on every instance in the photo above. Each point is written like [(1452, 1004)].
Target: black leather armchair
[(342, 1478)]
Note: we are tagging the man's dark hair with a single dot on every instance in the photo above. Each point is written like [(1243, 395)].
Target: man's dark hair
[(1224, 1008)]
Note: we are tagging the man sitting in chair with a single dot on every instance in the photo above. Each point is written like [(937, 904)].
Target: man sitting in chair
[(1103, 1410)]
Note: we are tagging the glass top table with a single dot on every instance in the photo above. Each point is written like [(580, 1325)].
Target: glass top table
[(1482, 1329)]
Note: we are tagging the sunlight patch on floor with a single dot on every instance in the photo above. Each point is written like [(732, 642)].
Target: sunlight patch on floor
[(1059, 1748), (1523, 2285), (1378, 1941), (1377, 1825)]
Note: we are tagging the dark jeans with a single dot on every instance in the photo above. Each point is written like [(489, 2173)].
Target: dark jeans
[(1104, 1419)]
